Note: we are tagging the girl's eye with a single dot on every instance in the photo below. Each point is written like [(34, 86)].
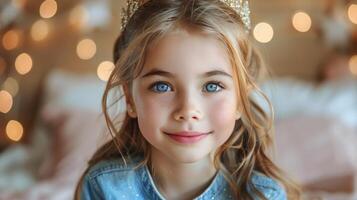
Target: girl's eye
[(212, 87), (160, 87)]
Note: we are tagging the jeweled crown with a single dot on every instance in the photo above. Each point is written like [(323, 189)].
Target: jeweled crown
[(240, 6)]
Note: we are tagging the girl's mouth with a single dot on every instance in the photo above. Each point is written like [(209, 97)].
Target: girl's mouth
[(188, 137)]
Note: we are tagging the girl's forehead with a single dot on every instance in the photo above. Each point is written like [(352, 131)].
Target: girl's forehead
[(189, 51)]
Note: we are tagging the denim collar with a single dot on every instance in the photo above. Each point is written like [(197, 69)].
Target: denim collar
[(217, 186)]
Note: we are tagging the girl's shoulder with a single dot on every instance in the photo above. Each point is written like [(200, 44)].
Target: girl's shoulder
[(112, 166), (110, 179), (268, 186)]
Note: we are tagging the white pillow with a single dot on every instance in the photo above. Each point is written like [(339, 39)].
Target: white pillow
[(67, 90), (336, 99)]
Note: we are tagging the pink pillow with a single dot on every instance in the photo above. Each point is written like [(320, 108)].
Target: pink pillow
[(75, 136), (316, 149)]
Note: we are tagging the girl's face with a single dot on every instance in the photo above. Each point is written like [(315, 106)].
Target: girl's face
[(185, 98)]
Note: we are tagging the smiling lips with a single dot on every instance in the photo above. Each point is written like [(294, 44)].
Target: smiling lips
[(187, 137)]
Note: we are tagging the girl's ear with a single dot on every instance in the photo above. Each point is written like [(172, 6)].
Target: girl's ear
[(239, 111), (131, 111), (238, 115), (130, 107)]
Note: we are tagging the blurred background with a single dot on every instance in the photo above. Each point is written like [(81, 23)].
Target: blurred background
[(55, 58)]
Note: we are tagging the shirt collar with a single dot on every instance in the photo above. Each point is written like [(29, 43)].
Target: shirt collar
[(217, 185)]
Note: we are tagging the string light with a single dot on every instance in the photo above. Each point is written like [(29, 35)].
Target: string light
[(48, 9), (352, 13), (86, 49), (353, 65), (14, 130), (39, 30), (301, 22), (18, 3), (263, 32), (11, 86), (23, 63), (5, 101), (78, 17), (11, 39), (104, 70)]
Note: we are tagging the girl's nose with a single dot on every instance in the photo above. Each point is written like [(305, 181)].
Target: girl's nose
[(188, 111), (191, 115)]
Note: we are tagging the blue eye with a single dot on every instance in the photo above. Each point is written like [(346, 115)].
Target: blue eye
[(212, 87), (161, 87)]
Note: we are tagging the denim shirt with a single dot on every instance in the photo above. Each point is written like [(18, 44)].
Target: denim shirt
[(112, 179)]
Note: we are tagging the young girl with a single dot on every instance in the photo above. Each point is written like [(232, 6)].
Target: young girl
[(191, 130)]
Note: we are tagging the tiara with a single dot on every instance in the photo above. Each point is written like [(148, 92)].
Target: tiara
[(240, 6)]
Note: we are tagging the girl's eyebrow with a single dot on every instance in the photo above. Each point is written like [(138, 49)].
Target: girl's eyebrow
[(158, 72)]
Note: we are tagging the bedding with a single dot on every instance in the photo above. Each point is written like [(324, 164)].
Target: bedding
[(316, 134), (68, 132), (335, 98)]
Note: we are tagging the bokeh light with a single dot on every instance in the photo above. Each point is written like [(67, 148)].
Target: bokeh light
[(263, 32), (48, 9), (301, 22), (78, 17), (18, 3), (86, 49), (5, 101), (14, 130), (2, 65), (11, 85), (353, 65), (11, 39), (39, 30), (352, 13), (104, 70), (23, 63)]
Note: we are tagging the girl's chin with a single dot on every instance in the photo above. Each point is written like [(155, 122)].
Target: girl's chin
[(183, 154), (189, 157)]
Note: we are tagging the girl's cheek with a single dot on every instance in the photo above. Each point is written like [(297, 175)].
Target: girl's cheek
[(222, 120), (223, 111), (154, 104)]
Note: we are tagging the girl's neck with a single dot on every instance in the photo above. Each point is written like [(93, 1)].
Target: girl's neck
[(181, 180)]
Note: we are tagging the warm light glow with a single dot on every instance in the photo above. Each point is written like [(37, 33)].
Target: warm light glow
[(353, 65), (5, 101), (11, 39), (352, 13), (263, 32), (48, 9), (2, 65), (78, 16), (104, 70), (301, 22), (86, 49), (23, 63), (39, 30), (14, 130), (18, 3), (11, 86)]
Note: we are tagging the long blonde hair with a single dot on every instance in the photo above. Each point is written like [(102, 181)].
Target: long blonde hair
[(247, 149)]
